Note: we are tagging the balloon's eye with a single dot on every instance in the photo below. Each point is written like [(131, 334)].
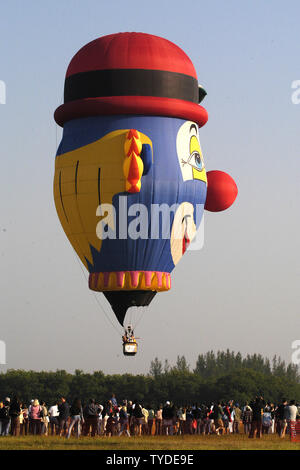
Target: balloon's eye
[(195, 160)]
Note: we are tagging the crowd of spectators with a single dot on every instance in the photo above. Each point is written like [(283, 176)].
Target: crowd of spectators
[(131, 418)]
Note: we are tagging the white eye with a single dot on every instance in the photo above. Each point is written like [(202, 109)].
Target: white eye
[(195, 161), (188, 157)]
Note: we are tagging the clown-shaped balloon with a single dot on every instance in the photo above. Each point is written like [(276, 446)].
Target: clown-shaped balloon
[(130, 182)]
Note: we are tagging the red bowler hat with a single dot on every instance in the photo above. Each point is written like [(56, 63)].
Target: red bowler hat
[(131, 73)]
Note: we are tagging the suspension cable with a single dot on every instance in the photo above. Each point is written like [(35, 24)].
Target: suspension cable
[(141, 316), (96, 298)]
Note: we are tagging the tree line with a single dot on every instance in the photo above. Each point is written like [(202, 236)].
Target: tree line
[(216, 376)]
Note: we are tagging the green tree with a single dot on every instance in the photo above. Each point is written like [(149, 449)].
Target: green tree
[(156, 368), (181, 365)]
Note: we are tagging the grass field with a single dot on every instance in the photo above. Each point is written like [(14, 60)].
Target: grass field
[(186, 442)]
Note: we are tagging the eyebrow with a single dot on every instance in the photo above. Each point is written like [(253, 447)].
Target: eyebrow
[(193, 126)]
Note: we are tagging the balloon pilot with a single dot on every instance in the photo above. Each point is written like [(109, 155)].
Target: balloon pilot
[(128, 335), (129, 342)]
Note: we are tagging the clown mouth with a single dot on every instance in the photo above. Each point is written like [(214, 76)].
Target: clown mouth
[(186, 239), (185, 243)]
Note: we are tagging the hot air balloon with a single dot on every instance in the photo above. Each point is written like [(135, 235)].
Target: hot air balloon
[(130, 183)]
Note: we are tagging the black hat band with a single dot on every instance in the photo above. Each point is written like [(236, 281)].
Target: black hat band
[(132, 82)]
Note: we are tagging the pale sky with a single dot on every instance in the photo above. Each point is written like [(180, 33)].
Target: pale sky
[(241, 291)]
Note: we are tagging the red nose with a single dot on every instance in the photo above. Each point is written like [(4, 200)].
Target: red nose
[(221, 191)]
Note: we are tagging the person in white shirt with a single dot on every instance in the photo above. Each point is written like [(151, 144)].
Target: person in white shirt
[(53, 418), (100, 420), (290, 414)]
